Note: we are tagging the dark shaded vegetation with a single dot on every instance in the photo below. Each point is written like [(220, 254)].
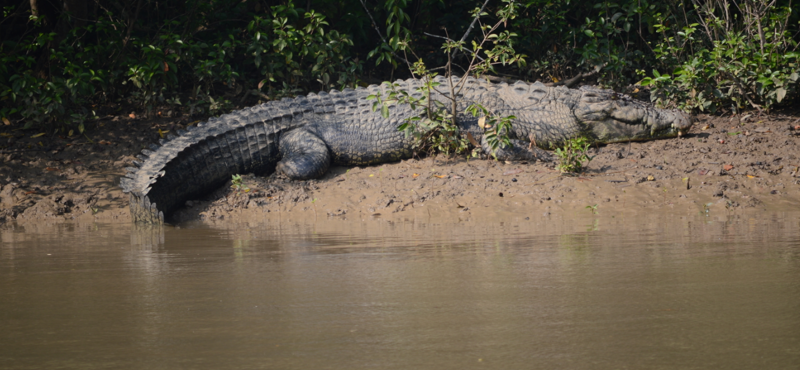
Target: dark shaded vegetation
[(62, 60)]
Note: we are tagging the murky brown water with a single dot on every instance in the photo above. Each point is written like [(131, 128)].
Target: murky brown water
[(578, 293)]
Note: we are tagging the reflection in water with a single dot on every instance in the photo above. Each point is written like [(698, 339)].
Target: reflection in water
[(690, 292)]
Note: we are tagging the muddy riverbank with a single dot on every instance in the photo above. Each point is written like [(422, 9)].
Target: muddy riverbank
[(727, 164)]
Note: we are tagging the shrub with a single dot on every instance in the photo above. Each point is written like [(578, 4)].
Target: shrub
[(736, 55), (435, 129), (573, 155), (181, 59)]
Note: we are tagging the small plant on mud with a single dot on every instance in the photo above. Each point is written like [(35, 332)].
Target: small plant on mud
[(593, 209), (435, 129), (238, 185), (573, 156)]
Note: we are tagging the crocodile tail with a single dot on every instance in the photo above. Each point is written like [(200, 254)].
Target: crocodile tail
[(205, 156)]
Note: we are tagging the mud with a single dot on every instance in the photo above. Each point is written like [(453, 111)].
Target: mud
[(727, 163)]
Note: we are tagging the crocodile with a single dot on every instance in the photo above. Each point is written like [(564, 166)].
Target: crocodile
[(301, 137)]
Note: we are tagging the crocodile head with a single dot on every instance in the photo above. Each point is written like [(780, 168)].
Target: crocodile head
[(611, 117)]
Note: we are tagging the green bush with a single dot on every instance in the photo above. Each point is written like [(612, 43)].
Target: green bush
[(205, 56), (50, 80), (748, 59), (573, 155), (703, 54), (62, 97), (284, 49)]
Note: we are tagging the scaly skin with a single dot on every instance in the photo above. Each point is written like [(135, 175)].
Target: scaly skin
[(301, 137)]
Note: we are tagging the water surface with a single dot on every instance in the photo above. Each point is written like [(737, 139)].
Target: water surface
[(586, 292)]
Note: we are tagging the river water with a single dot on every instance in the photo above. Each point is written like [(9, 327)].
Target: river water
[(579, 292)]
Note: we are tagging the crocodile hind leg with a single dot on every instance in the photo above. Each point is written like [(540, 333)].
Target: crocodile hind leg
[(305, 155)]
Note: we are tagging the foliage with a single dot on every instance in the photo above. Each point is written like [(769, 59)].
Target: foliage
[(495, 128), (706, 54), (283, 51), (180, 59), (39, 101), (581, 35), (436, 128), (573, 156), (398, 35), (206, 56), (749, 59), (434, 131)]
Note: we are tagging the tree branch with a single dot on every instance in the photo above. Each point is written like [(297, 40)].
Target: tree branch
[(451, 40), (574, 81), (471, 26)]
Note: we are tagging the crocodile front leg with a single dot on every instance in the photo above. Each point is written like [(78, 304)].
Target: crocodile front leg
[(305, 155)]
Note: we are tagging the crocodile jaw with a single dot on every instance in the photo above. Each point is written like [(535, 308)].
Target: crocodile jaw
[(611, 117)]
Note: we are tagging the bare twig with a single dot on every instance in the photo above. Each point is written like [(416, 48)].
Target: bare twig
[(574, 81), (451, 40), (462, 81), (472, 25), (445, 67), (131, 23)]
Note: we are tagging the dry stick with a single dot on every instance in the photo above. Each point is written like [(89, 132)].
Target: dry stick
[(451, 40), (786, 23), (760, 31), (462, 80), (686, 19), (452, 55), (728, 24), (454, 103), (532, 144), (574, 81), (568, 83), (471, 26), (704, 23), (130, 28)]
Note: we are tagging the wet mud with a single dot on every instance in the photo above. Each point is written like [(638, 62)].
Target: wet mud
[(729, 163)]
